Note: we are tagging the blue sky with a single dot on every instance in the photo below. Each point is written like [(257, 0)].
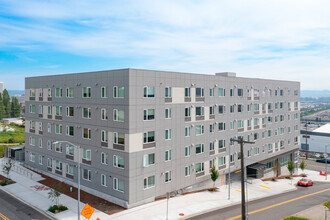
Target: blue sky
[(275, 39)]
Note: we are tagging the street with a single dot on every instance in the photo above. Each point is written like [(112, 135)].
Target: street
[(313, 165), (277, 206), (13, 209)]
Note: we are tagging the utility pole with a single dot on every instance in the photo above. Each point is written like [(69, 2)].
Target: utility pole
[(229, 172), (306, 136), (242, 142)]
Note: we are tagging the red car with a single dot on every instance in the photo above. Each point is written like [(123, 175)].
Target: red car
[(305, 182)]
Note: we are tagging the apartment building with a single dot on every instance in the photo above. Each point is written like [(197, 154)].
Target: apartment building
[(143, 133)]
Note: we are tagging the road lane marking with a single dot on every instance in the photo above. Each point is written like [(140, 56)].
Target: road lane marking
[(239, 191), (3, 217), (314, 165), (265, 186), (278, 204), (238, 171)]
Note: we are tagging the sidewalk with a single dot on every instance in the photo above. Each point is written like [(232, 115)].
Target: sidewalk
[(188, 205), (315, 213)]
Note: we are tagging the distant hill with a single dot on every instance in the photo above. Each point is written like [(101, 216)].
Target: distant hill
[(315, 93), (16, 92)]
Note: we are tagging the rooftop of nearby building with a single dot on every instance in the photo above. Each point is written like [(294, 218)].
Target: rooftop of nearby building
[(323, 129)]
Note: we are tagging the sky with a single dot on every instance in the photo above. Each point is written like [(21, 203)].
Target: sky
[(273, 39)]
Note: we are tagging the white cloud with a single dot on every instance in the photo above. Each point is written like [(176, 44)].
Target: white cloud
[(270, 39)]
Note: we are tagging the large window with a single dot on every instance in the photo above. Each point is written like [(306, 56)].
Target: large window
[(187, 92), (58, 92), (86, 113), (32, 108), (222, 126), (148, 159), (199, 129), (222, 143), (87, 133), (58, 110), (86, 92), (58, 165), (118, 92), (87, 175), (199, 148), (222, 109), (199, 167), (70, 130), (58, 129), (118, 184), (148, 137), (32, 92), (199, 111), (222, 161), (199, 92), (168, 92), (149, 182), (69, 169), (221, 92), (168, 176), (87, 154), (118, 162), (69, 150), (148, 114), (69, 92), (118, 138), (69, 111), (118, 115), (148, 91)]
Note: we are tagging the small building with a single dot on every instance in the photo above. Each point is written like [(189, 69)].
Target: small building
[(12, 120), (318, 136)]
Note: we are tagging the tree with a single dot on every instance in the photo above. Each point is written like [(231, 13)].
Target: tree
[(15, 108), (2, 110), (6, 102), (54, 195), (302, 165), (290, 167), (214, 175), (7, 167)]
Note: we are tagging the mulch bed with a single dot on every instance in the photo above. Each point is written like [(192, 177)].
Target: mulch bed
[(2, 178), (281, 177), (92, 200)]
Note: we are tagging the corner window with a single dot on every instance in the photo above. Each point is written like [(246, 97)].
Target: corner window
[(118, 138), (148, 137), (118, 184), (149, 182), (118, 115)]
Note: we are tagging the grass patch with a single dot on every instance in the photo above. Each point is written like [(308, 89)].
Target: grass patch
[(17, 136), (56, 209), (295, 218), (327, 204)]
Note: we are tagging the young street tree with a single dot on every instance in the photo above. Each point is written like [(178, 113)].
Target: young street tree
[(302, 165), (290, 167), (54, 195), (7, 167), (214, 175)]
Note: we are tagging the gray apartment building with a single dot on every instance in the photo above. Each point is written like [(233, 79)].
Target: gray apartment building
[(143, 133)]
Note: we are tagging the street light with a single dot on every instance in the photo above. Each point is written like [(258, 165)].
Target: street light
[(78, 170)]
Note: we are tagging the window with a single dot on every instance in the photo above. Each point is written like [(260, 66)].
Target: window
[(211, 92), (212, 128), (49, 145), (222, 161), (118, 115), (168, 155), (70, 130), (232, 125), (49, 92), (50, 110), (69, 92), (118, 92), (49, 162), (212, 163), (87, 92), (256, 150), (104, 92), (104, 136), (104, 158), (32, 92), (148, 137), (118, 184), (86, 113), (296, 92), (168, 176), (149, 182), (281, 105), (104, 180), (222, 126), (168, 134), (41, 109), (32, 157), (32, 125), (86, 175), (119, 138), (222, 109), (148, 91), (104, 114), (232, 108), (32, 109), (168, 92), (199, 148), (221, 92), (58, 110), (199, 111), (58, 129), (187, 131), (69, 111), (269, 133), (118, 162), (256, 107), (212, 110), (240, 124), (187, 171), (199, 92), (40, 142), (256, 136), (69, 150), (69, 169), (58, 165), (58, 92), (231, 92), (187, 112), (256, 92), (211, 145), (87, 133), (168, 113), (239, 108), (87, 154), (249, 107), (148, 114), (249, 123), (199, 129), (256, 121), (187, 92), (232, 158), (148, 159), (187, 151), (240, 92), (41, 162), (281, 92), (199, 167), (222, 143), (49, 127)]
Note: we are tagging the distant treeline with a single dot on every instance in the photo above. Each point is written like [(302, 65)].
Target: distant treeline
[(9, 107), (312, 99)]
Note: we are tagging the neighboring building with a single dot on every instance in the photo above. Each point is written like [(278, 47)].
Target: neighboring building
[(144, 133), (1, 87), (318, 136), (18, 121)]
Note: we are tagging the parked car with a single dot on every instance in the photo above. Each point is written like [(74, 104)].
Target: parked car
[(323, 160), (305, 182)]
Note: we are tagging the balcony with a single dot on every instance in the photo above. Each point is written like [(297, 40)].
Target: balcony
[(32, 130), (256, 127), (199, 174), (212, 116), (49, 116), (69, 176), (40, 132), (41, 99), (222, 167), (187, 99), (200, 99), (69, 156), (200, 117), (58, 117), (118, 147), (187, 119), (212, 152), (49, 99), (240, 130), (40, 115), (149, 145), (104, 144), (221, 150), (167, 100), (88, 162), (32, 98), (58, 172)]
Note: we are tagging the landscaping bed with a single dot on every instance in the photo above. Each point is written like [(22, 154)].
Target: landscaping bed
[(57, 209), (281, 177), (4, 181)]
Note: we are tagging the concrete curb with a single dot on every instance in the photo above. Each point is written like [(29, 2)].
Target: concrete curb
[(26, 203), (236, 203)]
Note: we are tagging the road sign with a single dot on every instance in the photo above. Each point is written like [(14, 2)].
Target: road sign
[(87, 211)]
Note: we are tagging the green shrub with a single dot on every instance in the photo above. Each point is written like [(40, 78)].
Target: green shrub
[(53, 208), (6, 182), (63, 208), (295, 218), (327, 204), (287, 177)]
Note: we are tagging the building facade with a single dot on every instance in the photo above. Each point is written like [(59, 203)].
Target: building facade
[(143, 133), (1, 87)]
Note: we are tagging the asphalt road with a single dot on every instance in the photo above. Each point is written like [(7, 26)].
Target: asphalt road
[(316, 166), (275, 207), (13, 209)]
